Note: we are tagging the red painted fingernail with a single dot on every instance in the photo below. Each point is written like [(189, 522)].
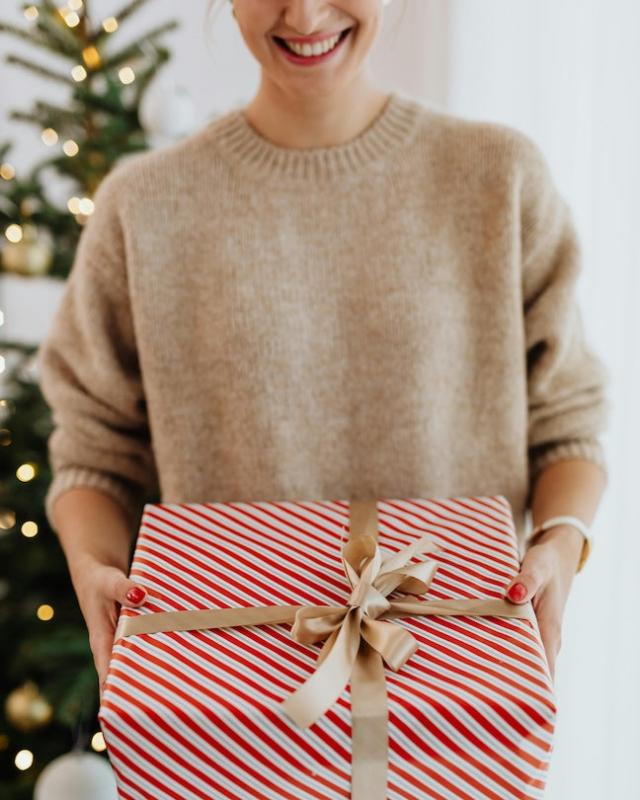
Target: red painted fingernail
[(135, 594), (517, 591)]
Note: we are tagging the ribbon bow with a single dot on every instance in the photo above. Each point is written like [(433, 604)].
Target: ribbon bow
[(359, 637), (372, 575)]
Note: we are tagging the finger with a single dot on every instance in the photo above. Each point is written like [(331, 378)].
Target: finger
[(101, 644), (118, 587), (524, 586), (552, 670), (102, 680), (550, 633), (532, 577)]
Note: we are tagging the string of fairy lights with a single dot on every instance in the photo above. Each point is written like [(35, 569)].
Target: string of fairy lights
[(25, 698), (80, 207)]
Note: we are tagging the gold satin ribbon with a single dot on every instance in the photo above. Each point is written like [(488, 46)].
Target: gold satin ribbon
[(359, 637)]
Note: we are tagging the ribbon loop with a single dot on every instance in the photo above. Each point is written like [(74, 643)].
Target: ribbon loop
[(395, 644), (398, 560), (323, 687), (314, 623), (372, 602), (361, 559)]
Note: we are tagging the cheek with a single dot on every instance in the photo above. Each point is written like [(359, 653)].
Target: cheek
[(368, 27), (260, 44), (365, 36)]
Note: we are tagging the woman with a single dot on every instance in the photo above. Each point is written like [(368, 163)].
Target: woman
[(333, 292)]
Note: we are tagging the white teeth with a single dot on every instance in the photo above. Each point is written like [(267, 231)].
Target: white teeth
[(315, 49)]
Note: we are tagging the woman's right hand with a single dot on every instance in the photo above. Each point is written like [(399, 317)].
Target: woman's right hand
[(101, 590)]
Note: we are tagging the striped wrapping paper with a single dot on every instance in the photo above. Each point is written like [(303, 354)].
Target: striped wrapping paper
[(195, 714)]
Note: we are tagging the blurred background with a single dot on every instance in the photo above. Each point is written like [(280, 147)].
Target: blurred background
[(131, 76)]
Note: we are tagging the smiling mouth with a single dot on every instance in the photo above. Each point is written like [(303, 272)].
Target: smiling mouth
[(282, 44)]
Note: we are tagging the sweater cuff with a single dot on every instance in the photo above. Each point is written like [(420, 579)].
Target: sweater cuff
[(589, 449), (127, 496)]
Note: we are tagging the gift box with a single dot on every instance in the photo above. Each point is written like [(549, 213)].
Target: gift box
[(328, 649)]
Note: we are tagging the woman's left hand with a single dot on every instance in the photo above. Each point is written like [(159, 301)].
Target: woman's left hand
[(546, 573)]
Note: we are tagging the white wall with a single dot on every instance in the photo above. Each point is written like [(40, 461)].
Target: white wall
[(563, 73)]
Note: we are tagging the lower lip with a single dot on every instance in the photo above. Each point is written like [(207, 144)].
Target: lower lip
[(311, 60)]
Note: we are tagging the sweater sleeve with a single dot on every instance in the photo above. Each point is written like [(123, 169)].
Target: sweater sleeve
[(568, 405), (89, 372)]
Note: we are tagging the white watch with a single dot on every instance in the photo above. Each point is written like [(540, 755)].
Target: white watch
[(567, 519)]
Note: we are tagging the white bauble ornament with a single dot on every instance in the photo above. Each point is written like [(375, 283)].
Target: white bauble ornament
[(167, 112), (76, 776)]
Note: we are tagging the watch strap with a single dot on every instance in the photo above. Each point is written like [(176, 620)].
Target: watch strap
[(576, 522)]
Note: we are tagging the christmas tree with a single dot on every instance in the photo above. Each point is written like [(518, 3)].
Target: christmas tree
[(48, 683)]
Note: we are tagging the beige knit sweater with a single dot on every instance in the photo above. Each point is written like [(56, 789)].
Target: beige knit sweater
[(394, 316)]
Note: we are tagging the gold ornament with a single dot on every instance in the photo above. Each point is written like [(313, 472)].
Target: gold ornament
[(29, 205), (32, 255), (26, 708)]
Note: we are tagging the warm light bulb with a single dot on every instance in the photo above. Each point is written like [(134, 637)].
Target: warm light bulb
[(70, 148), (85, 206), (31, 12), (73, 204), (45, 612), (78, 73), (126, 75), (23, 759), (91, 56), (25, 472), (72, 19), (7, 172), (13, 233), (110, 24), (75, 5), (98, 743), (49, 136), (29, 529)]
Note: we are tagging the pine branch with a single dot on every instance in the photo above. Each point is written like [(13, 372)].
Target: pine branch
[(146, 76), (67, 42), (29, 36), (50, 6), (44, 113), (98, 102), (128, 9), (137, 49), (21, 33), (38, 69)]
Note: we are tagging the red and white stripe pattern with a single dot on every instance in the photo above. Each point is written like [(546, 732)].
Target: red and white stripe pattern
[(195, 714)]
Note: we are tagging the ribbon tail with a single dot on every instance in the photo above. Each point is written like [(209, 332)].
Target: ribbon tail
[(369, 727), (203, 619), (323, 687), (485, 607)]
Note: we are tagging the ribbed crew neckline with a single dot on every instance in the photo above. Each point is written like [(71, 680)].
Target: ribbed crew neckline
[(252, 152)]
